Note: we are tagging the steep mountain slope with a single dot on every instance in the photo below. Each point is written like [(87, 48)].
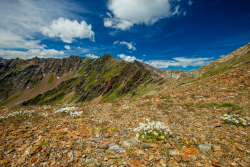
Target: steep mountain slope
[(19, 75), (106, 78), (49, 81), (234, 59)]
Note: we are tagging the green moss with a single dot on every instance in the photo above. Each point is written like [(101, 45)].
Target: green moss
[(11, 99), (51, 79)]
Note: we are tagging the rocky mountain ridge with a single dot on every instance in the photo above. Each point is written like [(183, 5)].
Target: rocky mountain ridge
[(72, 79), (77, 79), (160, 73)]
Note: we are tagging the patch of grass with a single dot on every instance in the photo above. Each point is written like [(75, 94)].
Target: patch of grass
[(129, 151), (44, 143), (117, 116), (104, 130), (149, 103), (198, 114), (229, 105), (163, 106), (182, 114), (11, 99), (56, 136), (147, 97), (61, 115), (113, 129), (112, 96), (36, 119), (117, 103), (210, 105), (51, 79), (126, 111)]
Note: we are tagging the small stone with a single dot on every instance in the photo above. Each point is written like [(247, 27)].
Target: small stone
[(198, 164), (35, 149), (124, 132), (34, 129), (205, 148), (78, 154), (215, 163), (2, 162), (173, 153), (216, 148), (243, 164), (151, 157), (97, 135), (206, 165), (33, 160), (71, 155), (87, 150), (135, 163), (104, 145), (162, 163), (116, 148)]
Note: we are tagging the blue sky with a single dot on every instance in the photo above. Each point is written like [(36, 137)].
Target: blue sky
[(167, 34)]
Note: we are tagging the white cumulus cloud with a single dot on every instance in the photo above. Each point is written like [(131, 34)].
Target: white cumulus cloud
[(126, 13), (91, 56), (129, 45), (128, 58), (179, 61), (68, 30), (67, 47)]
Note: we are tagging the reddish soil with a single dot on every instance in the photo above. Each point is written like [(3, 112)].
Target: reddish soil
[(44, 86)]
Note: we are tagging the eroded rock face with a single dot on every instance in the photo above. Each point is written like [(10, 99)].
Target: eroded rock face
[(19, 74)]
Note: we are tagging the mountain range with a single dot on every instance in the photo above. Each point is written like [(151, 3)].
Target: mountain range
[(78, 79)]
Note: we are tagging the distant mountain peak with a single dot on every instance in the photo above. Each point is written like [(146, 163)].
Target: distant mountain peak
[(3, 61), (159, 72)]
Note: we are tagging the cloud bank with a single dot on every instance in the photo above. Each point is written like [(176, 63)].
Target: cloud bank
[(176, 62), (42, 53), (179, 62)]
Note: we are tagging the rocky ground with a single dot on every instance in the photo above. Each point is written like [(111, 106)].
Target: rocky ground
[(108, 133)]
